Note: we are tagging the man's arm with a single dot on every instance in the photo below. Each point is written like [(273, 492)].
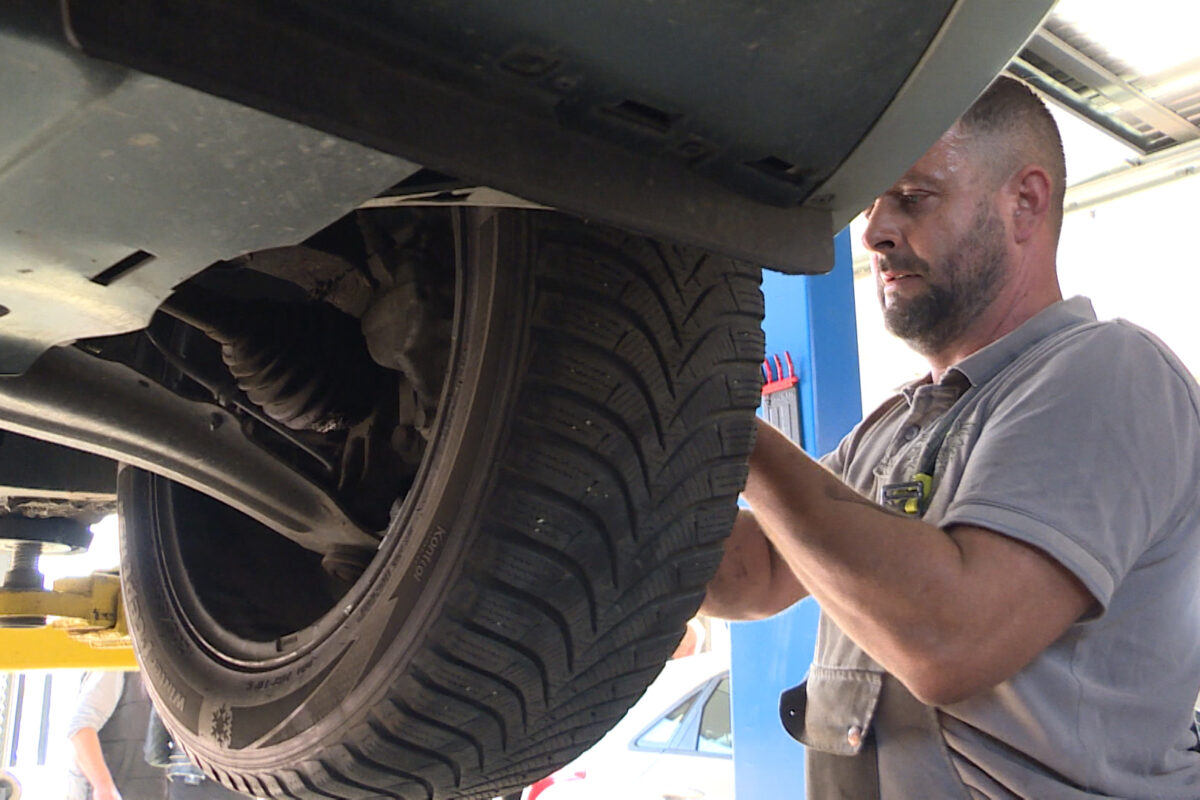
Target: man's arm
[(98, 697), (752, 582), (90, 760), (949, 613)]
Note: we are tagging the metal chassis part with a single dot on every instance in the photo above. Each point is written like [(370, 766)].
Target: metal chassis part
[(115, 187), (32, 468), (73, 399)]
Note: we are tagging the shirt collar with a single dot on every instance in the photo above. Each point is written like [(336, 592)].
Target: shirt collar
[(984, 363)]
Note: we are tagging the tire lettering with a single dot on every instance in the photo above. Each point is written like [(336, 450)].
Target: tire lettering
[(265, 683), (421, 566), (172, 696)]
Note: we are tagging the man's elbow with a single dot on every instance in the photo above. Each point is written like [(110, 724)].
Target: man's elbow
[(940, 691), (74, 733), (944, 681)]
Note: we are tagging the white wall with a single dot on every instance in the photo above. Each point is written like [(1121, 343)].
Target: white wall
[(1138, 258)]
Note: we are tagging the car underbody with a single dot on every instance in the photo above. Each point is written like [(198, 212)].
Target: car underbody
[(417, 344)]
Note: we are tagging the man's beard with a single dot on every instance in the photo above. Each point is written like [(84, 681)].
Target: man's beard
[(972, 275)]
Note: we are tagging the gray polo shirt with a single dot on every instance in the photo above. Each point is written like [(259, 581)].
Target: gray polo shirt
[(1081, 438)]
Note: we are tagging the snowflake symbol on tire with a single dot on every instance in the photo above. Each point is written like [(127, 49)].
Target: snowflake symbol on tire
[(222, 726)]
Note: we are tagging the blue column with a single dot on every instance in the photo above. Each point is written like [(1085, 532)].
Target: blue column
[(813, 318)]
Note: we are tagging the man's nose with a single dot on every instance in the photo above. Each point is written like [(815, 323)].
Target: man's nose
[(882, 233)]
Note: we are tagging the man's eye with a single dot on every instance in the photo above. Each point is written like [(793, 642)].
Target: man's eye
[(911, 199)]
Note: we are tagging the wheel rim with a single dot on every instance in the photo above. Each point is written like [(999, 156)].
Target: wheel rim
[(205, 597)]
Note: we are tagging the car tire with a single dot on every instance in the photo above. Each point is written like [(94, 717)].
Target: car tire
[(572, 503)]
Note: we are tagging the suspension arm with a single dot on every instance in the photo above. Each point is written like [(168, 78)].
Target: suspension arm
[(70, 398)]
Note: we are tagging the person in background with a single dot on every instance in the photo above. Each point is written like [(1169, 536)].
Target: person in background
[(107, 732)]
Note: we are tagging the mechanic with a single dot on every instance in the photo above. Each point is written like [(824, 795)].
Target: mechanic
[(1008, 568), (108, 733)]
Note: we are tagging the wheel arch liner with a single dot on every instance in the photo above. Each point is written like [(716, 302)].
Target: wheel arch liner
[(951, 74), (709, 123)]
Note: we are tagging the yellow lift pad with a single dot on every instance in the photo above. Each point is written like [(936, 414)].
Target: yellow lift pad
[(86, 627), (24, 649)]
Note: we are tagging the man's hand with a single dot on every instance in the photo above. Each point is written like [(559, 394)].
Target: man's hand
[(752, 582), (90, 759), (108, 792)]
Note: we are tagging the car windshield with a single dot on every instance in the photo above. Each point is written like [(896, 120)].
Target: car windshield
[(716, 734), (663, 731)]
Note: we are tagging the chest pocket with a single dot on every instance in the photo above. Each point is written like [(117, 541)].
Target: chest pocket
[(832, 710)]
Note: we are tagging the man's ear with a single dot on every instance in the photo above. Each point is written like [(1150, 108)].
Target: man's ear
[(1031, 187)]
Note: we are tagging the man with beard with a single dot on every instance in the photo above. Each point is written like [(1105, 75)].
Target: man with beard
[(1006, 553)]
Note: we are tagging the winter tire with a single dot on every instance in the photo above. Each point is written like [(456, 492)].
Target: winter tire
[(580, 478)]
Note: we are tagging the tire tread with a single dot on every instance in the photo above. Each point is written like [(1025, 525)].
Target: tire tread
[(610, 503)]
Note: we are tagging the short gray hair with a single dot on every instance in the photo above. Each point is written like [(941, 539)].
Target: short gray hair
[(1020, 131)]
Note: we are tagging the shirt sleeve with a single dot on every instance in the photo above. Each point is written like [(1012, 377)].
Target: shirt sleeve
[(1090, 456), (835, 459), (98, 696)]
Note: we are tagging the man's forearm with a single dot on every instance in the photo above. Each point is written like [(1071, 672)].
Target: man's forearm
[(888, 581), (90, 760), (949, 613)]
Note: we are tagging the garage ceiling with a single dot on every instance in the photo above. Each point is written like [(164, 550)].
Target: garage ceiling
[(1134, 77)]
